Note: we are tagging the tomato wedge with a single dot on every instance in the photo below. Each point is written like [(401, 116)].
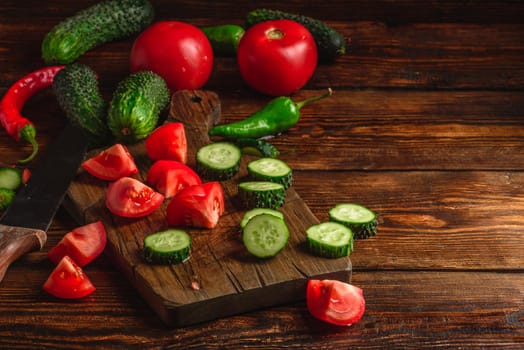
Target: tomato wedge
[(68, 281), (170, 176), (130, 198), (83, 244), (168, 142), (197, 206), (335, 302), (111, 164)]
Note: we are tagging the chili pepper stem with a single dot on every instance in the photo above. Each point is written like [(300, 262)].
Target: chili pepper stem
[(301, 104), (28, 134)]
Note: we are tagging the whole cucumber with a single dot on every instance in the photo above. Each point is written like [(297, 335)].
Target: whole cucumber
[(330, 43), (105, 21), (77, 92), (135, 106)]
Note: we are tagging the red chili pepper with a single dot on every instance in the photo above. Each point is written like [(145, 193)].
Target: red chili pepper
[(13, 101)]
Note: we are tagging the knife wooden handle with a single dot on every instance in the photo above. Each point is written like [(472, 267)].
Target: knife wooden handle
[(15, 242)]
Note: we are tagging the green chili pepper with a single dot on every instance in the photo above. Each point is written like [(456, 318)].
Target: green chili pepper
[(224, 39), (277, 116)]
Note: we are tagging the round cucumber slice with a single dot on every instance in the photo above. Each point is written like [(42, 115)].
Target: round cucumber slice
[(10, 178), (167, 247), (361, 220), (270, 169), (218, 161), (330, 240), (248, 215), (265, 235)]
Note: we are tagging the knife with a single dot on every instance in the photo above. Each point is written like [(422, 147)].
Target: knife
[(24, 224)]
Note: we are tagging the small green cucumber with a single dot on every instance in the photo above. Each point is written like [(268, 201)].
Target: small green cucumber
[(218, 161), (361, 220), (265, 235), (103, 22), (167, 247), (261, 194), (224, 38), (77, 92), (330, 240), (6, 197), (135, 106)]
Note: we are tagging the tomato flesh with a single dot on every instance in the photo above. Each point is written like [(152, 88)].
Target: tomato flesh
[(68, 281), (83, 244), (167, 142), (277, 57), (335, 302), (130, 198), (197, 206), (169, 177), (111, 164), (177, 51)]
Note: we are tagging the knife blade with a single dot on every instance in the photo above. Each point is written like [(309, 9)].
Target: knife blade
[(24, 224)]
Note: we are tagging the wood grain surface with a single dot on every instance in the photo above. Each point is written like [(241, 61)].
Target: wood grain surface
[(425, 127)]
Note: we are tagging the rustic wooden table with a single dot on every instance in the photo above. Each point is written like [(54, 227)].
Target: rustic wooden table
[(425, 127)]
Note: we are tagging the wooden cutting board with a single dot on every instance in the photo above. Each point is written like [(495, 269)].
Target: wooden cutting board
[(220, 278)]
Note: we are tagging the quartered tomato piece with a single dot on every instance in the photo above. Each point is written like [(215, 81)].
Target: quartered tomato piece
[(168, 142), (68, 281), (170, 176), (111, 164), (197, 206), (335, 302), (131, 198), (83, 244)]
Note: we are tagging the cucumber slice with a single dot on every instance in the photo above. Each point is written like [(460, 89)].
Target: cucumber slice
[(257, 147), (330, 240), (248, 215), (218, 161), (265, 235), (361, 220), (261, 194), (270, 169), (167, 247), (10, 178), (6, 197)]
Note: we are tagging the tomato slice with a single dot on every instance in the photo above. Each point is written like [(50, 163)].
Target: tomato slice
[(197, 206), (111, 164), (68, 281), (167, 142), (83, 244), (335, 302), (171, 176), (131, 198)]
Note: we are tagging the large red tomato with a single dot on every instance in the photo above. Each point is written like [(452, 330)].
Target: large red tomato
[(179, 52), (277, 57)]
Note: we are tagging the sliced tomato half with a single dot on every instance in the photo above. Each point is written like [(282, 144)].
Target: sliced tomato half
[(170, 176), (131, 198), (111, 164), (335, 302), (83, 244), (197, 206), (168, 141), (68, 281)]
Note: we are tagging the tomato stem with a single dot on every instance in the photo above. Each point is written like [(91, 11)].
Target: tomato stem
[(275, 34)]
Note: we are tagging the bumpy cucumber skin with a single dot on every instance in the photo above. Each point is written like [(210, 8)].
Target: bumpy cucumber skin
[(77, 92), (272, 199), (103, 22), (360, 231), (224, 39), (257, 147), (6, 197), (330, 43), (136, 105), (285, 181)]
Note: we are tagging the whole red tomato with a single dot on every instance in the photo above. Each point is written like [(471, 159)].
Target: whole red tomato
[(277, 57), (179, 52)]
